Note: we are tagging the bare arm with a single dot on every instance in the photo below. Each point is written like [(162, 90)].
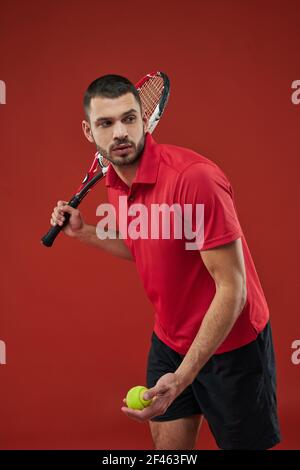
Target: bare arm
[(113, 244), (77, 228), (226, 266)]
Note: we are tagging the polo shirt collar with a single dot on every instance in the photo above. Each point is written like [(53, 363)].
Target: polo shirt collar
[(147, 169)]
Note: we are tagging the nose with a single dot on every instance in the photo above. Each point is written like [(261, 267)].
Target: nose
[(120, 131)]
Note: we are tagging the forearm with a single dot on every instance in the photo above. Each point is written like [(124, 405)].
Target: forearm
[(113, 244), (216, 325)]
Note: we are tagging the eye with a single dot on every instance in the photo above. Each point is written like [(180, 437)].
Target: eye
[(105, 124), (130, 119)]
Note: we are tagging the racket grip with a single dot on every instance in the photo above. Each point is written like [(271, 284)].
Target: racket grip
[(48, 239)]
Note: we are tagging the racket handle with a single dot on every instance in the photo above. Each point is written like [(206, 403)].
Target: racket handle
[(48, 239)]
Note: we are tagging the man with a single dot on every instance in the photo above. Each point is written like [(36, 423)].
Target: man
[(211, 353)]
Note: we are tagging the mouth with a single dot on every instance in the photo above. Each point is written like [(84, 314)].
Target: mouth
[(122, 149)]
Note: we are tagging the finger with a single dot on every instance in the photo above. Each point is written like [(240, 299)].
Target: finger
[(70, 210), (157, 390), (60, 210), (151, 393), (57, 218), (53, 221), (61, 203), (141, 415), (57, 212), (132, 414)]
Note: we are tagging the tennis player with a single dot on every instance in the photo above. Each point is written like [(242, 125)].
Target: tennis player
[(211, 351)]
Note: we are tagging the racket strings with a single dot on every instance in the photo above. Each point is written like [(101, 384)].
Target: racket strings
[(150, 93)]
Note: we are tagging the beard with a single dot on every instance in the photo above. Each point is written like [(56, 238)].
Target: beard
[(129, 156)]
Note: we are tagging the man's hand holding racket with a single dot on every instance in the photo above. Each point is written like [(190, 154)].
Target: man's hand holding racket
[(75, 222)]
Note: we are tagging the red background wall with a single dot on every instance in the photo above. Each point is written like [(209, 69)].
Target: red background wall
[(74, 349)]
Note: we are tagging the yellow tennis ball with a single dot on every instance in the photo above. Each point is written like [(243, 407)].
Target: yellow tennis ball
[(135, 400)]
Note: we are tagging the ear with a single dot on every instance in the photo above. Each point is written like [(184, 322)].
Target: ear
[(86, 127), (145, 123)]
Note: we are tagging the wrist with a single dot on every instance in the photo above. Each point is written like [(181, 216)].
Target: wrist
[(183, 381), (82, 232)]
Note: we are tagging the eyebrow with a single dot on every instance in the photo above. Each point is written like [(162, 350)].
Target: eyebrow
[(132, 110)]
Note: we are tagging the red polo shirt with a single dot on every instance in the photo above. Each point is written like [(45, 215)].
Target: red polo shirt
[(176, 279)]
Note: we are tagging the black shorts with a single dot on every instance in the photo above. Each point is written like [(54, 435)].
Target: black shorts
[(235, 391)]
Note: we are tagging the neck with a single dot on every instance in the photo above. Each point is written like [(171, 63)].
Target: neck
[(127, 173)]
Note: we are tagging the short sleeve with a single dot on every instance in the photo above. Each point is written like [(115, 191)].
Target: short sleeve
[(206, 190)]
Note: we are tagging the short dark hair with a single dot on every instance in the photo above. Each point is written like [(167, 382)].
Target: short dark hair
[(109, 86)]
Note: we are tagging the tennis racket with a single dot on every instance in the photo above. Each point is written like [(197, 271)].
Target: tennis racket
[(154, 90)]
